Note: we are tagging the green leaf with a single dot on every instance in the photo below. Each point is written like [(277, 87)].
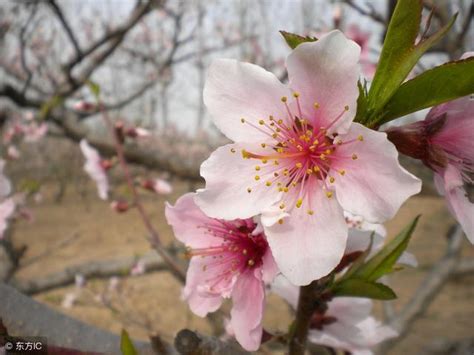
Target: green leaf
[(382, 263), (362, 102), (360, 260), (356, 287), (399, 53), (49, 105), (435, 86), (126, 345), (293, 40), (94, 88)]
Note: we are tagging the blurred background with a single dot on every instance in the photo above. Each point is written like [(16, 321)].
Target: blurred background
[(76, 253)]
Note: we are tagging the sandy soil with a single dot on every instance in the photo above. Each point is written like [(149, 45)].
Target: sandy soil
[(151, 303)]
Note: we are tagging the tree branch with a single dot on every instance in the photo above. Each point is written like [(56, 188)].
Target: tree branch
[(57, 10)]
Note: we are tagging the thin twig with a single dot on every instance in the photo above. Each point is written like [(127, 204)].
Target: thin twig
[(154, 236), (57, 10)]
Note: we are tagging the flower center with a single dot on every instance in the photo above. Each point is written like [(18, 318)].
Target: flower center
[(240, 250), (297, 155)]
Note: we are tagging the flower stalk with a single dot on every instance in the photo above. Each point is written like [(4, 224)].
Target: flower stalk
[(310, 300)]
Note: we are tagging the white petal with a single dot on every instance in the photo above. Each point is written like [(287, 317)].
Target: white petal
[(228, 176), (236, 90), (374, 185), (326, 72)]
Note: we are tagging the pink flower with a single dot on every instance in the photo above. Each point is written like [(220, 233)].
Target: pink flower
[(138, 269), (444, 142), (33, 132), (159, 186), (299, 162), (347, 323), (229, 259), (95, 168), (12, 152)]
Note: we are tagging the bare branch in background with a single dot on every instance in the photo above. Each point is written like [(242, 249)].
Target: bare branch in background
[(92, 269), (59, 13), (367, 12)]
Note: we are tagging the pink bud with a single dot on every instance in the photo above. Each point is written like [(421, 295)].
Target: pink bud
[(119, 206), (84, 106)]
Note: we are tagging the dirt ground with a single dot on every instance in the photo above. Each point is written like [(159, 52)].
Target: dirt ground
[(151, 303)]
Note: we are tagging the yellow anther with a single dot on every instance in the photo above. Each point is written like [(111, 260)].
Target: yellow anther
[(354, 156), (339, 142), (342, 172), (261, 122), (315, 142), (251, 262), (309, 171), (329, 194), (274, 135), (242, 120), (299, 147), (257, 177), (312, 148), (293, 184), (278, 130), (249, 190), (285, 189), (346, 108), (270, 118), (280, 189), (331, 179), (328, 151), (276, 162), (299, 202), (232, 150), (257, 168), (316, 105), (280, 121), (268, 183), (284, 99), (299, 165), (296, 94), (282, 206), (264, 161), (360, 137), (316, 169), (278, 183), (309, 133), (272, 124), (322, 157), (310, 212), (275, 174), (244, 251), (280, 150), (280, 221)]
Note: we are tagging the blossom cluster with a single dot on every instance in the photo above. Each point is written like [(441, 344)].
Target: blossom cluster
[(301, 187)]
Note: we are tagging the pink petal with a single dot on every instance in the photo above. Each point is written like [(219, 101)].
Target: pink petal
[(94, 169), (308, 247), (269, 267), (162, 187), (228, 176), (200, 303), (458, 202), (326, 72), (185, 218), (248, 299), (374, 185), (236, 90)]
